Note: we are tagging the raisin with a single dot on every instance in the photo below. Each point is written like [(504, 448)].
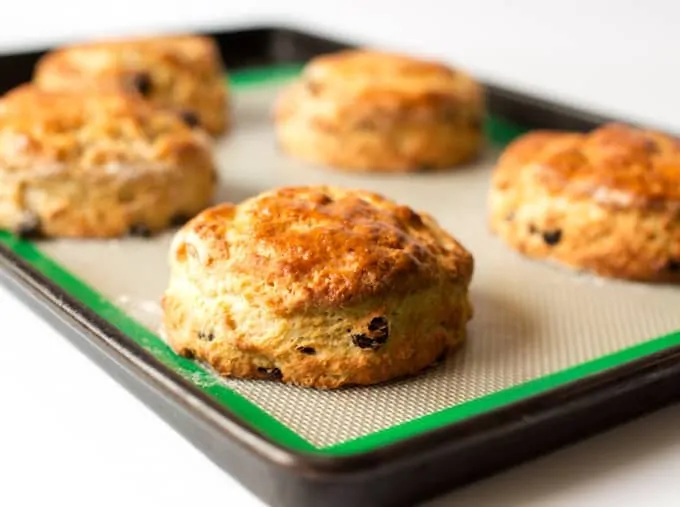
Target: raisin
[(188, 353), (139, 230), (179, 219), (208, 337), (271, 373), (674, 265), (378, 329), (141, 83), (377, 335), (378, 324), (364, 342), (551, 238), (310, 351), (29, 227), (190, 118)]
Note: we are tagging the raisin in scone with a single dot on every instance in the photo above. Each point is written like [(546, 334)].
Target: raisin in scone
[(363, 110), (183, 73), (316, 286), (607, 201), (97, 165)]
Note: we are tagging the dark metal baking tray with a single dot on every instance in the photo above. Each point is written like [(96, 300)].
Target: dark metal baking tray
[(399, 473)]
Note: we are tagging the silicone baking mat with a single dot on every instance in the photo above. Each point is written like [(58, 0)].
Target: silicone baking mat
[(536, 326)]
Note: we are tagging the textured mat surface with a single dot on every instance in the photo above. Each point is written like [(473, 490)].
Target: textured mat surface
[(531, 319)]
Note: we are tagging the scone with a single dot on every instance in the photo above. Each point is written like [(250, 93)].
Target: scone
[(97, 165), (363, 110), (316, 286), (607, 201), (182, 73)]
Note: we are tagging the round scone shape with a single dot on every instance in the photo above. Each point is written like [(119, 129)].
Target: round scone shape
[(607, 201), (182, 73), (97, 165), (363, 110), (316, 286)]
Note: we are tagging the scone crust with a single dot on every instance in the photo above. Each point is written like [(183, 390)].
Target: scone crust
[(183, 73), (368, 110), (98, 164), (323, 286), (607, 201)]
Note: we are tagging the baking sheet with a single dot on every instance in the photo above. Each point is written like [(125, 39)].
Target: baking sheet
[(531, 319)]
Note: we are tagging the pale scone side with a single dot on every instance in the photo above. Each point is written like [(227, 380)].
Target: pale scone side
[(600, 202), (184, 74), (370, 111), (97, 165)]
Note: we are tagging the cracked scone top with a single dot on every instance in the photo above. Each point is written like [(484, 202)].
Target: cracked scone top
[(316, 286), (366, 110), (607, 201), (97, 165), (183, 73)]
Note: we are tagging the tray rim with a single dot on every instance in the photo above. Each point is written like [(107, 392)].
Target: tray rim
[(134, 357)]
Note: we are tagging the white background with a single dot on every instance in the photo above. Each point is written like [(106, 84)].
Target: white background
[(70, 435)]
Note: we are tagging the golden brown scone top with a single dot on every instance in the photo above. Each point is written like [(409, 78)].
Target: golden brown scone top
[(616, 164), (316, 247), (389, 79), (79, 131), (189, 53)]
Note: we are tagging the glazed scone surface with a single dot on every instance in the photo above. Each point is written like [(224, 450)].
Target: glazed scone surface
[(607, 201), (97, 165), (316, 286), (365, 110), (183, 73)]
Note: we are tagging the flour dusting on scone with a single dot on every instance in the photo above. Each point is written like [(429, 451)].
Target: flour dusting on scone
[(97, 164), (372, 111), (183, 73), (316, 286), (607, 201)]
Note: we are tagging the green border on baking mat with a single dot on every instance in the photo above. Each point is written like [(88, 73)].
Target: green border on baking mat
[(500, 132)]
